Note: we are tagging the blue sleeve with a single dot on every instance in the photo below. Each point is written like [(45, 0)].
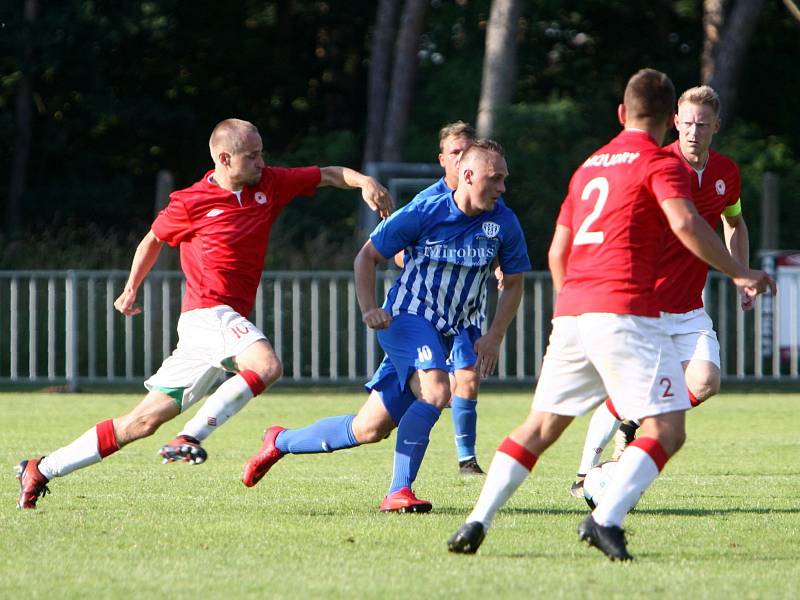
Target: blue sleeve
[(513, 257), (397, 232)]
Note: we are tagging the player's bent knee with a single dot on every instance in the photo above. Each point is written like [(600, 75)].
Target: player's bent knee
[(270, 372), (440, 401)]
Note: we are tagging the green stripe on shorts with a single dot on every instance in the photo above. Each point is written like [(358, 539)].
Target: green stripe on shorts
[(175, 393), (229, 364)]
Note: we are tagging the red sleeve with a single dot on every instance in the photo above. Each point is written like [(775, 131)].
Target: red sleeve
[(287, 184), (173, 225), (669, 179)]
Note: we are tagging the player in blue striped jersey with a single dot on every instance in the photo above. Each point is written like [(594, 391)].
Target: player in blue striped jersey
[(454, 138), (451, 241)]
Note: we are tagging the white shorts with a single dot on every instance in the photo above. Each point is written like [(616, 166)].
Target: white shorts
[(596, 355), (693, 335), (208, 338)]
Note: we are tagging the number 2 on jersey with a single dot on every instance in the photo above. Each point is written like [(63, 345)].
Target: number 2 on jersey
[(584, 236)]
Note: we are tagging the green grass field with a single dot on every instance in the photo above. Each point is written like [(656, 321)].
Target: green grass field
[(722, 522)]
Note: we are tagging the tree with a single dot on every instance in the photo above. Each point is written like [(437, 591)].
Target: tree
[(727, 35), (404, 72), (22, 143), (499, 63), (383, 38)]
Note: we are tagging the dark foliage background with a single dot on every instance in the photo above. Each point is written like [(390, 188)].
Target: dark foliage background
[(123, 90)]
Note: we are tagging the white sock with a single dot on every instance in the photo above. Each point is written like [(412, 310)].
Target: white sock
[(229, 399), (80, 453), (602, 428), (635, 472), (505, 475)]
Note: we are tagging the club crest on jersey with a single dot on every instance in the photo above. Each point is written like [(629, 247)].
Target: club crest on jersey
[(720, 187), (261, 197), (491, 229)]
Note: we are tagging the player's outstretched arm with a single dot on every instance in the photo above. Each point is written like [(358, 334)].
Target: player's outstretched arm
[(694, 233), (737, 239), (143, 260), (487, 347), (365, 265), (375, 195)]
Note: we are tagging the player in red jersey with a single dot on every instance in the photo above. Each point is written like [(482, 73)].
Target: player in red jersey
[(607, 338), (716, 189), (221, 225)]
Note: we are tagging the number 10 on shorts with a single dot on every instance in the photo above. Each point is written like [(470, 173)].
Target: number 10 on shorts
[(424, 353)]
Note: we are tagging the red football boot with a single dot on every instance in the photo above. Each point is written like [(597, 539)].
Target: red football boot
[(262, 461), (404, 501), (32, 483)]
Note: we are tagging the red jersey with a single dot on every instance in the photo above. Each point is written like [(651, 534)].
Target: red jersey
[(613, 210), (681, 275), (223, 239)]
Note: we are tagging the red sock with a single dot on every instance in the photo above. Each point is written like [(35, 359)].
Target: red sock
[(255, 382), (519, 453), (106, 438), (653, 448), (693, 399)]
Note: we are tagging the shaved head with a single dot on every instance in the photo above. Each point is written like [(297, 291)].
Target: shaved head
[(230, 136), (237, 150), (481, 149)]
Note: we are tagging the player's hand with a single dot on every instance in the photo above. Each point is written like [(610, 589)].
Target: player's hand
[(377, 318), (377, 197), (487, 347), (498, 274), (125, 303), (745, 301), (756, 282)]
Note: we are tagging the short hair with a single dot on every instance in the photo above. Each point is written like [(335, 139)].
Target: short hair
[(649, 96), (703, 95), (457, 129), (229, 135), (482, 145)]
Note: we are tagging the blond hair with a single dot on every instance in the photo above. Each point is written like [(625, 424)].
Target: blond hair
[(703, 95), (456, 129)]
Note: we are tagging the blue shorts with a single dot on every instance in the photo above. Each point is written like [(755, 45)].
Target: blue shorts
[(411, 343), (463, 354)]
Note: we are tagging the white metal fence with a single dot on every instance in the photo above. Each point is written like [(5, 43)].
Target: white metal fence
[(60, 327)]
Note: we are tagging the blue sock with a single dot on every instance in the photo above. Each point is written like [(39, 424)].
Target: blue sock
[(326, 435), (465, 420), (413, 433)]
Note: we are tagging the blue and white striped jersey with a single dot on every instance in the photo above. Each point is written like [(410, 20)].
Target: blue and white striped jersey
[(448, 259), (441, 187)]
